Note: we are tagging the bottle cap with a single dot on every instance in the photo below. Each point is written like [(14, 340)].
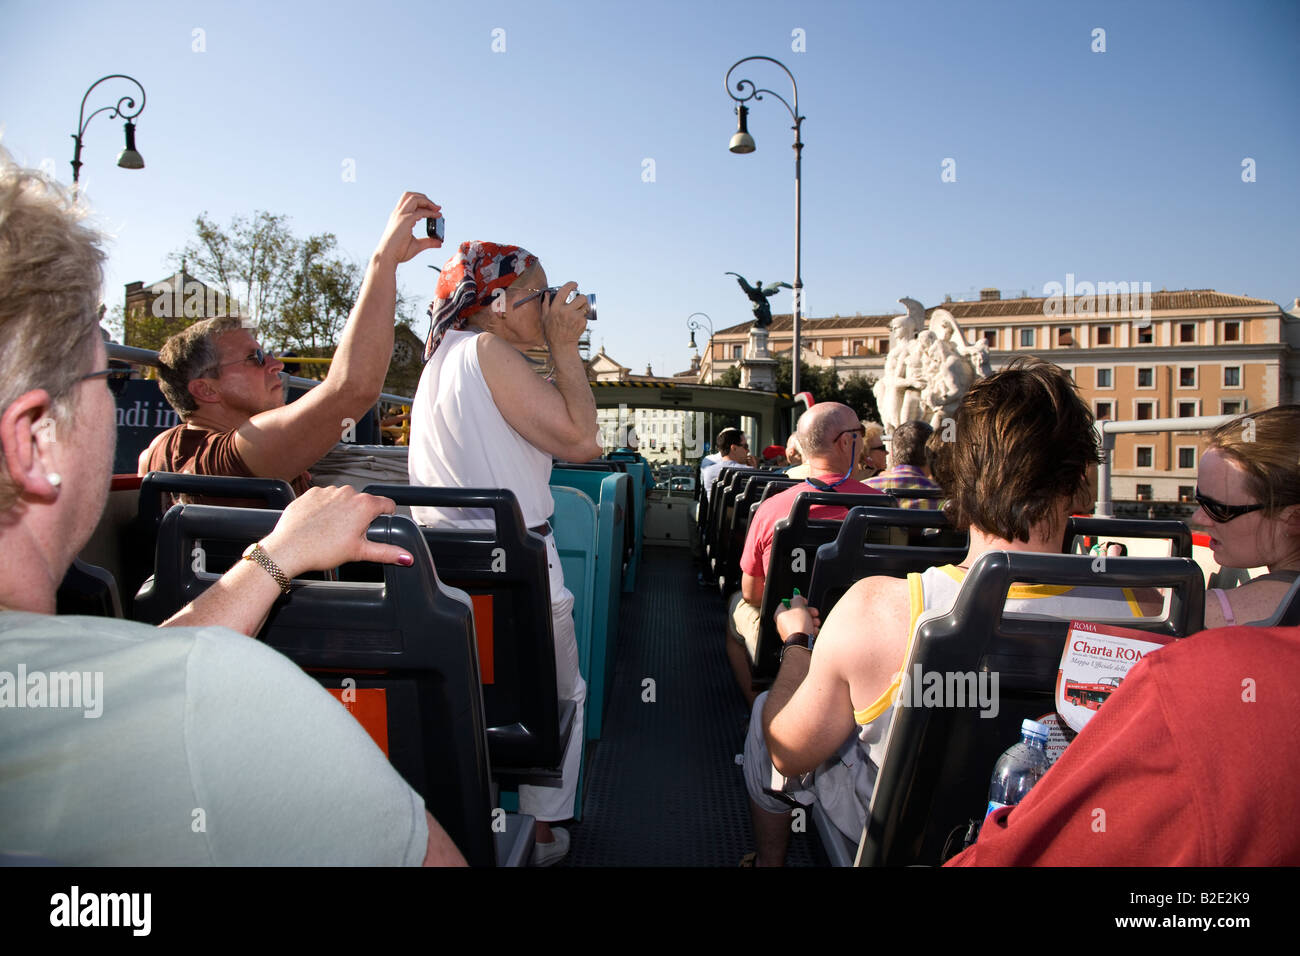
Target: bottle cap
[(1034, 729)]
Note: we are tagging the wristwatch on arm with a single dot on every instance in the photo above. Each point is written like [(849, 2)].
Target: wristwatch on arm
[(257, 554), (798, 639)]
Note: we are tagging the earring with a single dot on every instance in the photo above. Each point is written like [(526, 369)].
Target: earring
[(54, 478)]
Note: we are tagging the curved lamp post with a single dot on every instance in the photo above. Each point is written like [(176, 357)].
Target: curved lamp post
[(695, 326), (126, 109), (742, 142)]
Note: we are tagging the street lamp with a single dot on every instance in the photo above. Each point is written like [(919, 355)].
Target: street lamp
[(126, 109), (742, 142), (694, 325)]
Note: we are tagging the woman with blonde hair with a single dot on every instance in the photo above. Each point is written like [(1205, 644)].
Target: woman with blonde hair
[(1248, 490)]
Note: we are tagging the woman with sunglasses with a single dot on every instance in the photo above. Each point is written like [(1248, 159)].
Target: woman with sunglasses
[(1248, 490), (484, 418)]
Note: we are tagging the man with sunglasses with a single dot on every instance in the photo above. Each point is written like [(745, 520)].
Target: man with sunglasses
[(830, 435), (230, 397)]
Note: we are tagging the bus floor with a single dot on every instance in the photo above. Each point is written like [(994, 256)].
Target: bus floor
[(664, 788)]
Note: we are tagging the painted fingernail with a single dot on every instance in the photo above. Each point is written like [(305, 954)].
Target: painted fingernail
[(405, 560)]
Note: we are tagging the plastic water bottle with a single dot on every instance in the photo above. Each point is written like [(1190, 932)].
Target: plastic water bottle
[(1019, 768)]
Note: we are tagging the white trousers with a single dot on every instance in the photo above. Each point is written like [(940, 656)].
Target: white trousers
[(549, 804)]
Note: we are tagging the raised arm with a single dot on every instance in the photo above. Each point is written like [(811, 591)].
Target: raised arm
[(324, 528), (283, 442), (559, 419)]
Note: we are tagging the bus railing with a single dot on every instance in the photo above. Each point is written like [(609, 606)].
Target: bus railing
[(1109, 429)]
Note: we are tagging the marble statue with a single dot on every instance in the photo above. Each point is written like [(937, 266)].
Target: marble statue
[(929, 367)]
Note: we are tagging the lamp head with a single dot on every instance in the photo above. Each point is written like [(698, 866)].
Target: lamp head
[(742, 142), (692, 345), (129, 158)]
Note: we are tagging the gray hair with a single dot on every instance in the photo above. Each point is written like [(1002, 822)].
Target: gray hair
[(51, 281), (189, 354), (907, 447)]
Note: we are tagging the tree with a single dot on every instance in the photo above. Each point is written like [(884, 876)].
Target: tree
[(824, 383), (322, 292), (859, 396), (730, 377)]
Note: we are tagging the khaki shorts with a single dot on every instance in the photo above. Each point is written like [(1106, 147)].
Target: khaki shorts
[(742, 618)]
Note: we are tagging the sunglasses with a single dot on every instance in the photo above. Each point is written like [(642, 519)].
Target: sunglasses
[(1220, 512), (258, 357), (115, 377), (860, 430)]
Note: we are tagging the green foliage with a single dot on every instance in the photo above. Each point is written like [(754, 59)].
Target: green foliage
[(730, 377), (857, 393)]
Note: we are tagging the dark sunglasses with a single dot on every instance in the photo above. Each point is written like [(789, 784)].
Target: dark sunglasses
[(115, 377), (1219, 511), (257, 357)]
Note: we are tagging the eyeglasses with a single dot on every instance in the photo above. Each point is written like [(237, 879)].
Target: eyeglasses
[(258, 357), (115, 377), (1220, 512), (860, 430)]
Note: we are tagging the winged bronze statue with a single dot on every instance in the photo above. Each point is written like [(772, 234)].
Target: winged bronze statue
[(759, 294)]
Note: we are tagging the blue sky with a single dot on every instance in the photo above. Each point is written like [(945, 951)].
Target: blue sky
[(1116, 165)]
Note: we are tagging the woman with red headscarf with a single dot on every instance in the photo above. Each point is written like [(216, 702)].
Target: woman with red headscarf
[(484, 418)]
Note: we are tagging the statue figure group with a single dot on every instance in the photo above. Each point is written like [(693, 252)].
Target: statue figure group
[(929, 367)]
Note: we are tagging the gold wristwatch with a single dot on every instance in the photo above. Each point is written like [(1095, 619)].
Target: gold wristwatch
[(255, 552)]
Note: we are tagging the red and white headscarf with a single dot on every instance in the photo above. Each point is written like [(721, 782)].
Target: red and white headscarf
[(468, 283)]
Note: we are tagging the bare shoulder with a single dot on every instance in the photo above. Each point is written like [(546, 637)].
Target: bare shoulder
[(870, 622)]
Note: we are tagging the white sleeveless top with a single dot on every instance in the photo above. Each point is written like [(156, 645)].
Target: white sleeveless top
[(459, 439)]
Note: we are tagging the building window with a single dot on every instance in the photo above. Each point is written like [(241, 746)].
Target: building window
[(1146, 378), (1232, 376), (883, 346), (1103, 335), (1146, 335), (991, 337), (1027, 338), (1232, 331), (1145, 410), (1105, 378), (1185, 492), (1187, 377), (1234, 407), (1144, 492), (1187, 332), (736, 350), (856, 346), (1146, 456), (1186, 459), (1187, 409), (1104, 410), (1065, 336)]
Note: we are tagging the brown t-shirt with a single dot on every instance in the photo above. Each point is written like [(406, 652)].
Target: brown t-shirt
[(193, 450)]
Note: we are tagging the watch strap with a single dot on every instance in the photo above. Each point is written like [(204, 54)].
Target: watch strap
[(258, 554), (799, 639)]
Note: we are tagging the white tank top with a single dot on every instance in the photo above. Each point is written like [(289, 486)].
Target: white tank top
[(459, 439)]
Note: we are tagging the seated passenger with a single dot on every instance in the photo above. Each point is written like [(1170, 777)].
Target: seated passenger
[(794, 455), (733, 452), (1177, 769), (203, 746), (872, 455), (909, 469), (774, 458), (1248, 489), (829, 434), (484, 418), (1019, 463), (228, 393)]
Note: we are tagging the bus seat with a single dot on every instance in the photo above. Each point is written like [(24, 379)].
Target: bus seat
[(88, 590), (404, 647), (795, 543), (642, 478), (1175, 532), (140, 540), (504, 572), (935, 774), (612, 496), (1287, 613), (875, 540), (754, 490)]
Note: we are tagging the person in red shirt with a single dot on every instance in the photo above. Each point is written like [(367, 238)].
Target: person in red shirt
[(830, 435), (1190, 763)]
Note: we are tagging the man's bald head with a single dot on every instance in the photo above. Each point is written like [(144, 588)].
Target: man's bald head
[(821, 425)]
